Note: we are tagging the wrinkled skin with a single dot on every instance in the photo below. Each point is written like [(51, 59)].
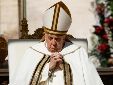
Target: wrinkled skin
[(55, 44)]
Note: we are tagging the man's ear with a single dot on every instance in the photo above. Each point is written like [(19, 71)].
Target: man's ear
[(43, 38), (68, 37)]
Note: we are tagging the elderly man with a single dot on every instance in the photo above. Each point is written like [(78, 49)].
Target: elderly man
[(56, 61)]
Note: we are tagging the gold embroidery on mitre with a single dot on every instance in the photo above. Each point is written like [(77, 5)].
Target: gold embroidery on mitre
[(54, 26), (47, 30), (62, 5), (55, 18)]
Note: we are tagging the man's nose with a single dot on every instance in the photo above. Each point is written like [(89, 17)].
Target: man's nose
[(53, 41)]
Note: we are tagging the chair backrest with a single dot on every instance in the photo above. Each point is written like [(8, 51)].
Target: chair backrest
[(81, 42), (17, 48)]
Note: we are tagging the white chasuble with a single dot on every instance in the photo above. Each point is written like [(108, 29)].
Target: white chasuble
[(83, 71)]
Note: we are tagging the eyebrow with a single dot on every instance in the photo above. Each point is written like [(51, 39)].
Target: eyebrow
[(55, 35)]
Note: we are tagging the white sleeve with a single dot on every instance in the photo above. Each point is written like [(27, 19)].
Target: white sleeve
[(91, 75), (25, 69), (19, 75)]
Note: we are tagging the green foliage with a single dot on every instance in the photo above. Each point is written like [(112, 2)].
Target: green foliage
[(104, 32)]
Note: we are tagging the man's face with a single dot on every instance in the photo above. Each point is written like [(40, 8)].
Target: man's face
[(55, 43)]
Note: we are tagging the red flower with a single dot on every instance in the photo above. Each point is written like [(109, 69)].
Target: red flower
[(111, 28), (111, 19), (100, 8), (111, 23), (105, 36), (98, 29), (107, 20), (102, 48)]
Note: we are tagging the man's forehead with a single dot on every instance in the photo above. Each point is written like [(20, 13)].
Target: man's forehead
[(54, 35)]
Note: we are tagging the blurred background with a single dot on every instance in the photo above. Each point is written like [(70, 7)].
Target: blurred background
[(91, 20)]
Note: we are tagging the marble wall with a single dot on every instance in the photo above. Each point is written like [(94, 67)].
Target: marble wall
[(9, 22)]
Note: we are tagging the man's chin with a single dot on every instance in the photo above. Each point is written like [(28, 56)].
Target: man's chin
[(53, 50)]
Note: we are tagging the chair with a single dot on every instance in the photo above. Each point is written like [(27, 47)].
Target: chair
[(17, 48)]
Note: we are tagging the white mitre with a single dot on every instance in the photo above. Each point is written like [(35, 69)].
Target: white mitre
[(57, 19)]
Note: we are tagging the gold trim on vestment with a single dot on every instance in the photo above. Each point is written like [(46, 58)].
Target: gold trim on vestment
[(68, 77), (54, 31), (37, 73)]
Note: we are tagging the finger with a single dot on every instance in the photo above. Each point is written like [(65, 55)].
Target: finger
[(58, 56), (58, 60), (51, 56), (54, 59)]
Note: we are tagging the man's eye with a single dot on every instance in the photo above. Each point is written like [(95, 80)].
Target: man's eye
[(50, 38), (58, 39)]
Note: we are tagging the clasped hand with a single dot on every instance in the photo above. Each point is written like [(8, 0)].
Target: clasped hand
[(55, 62)]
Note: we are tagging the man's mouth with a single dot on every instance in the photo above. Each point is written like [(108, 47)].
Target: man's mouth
[(53, 48)]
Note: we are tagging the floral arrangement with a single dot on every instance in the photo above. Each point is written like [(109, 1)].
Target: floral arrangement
[(103, 48)]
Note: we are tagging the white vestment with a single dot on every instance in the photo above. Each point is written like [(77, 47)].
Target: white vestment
[(83, 71)]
